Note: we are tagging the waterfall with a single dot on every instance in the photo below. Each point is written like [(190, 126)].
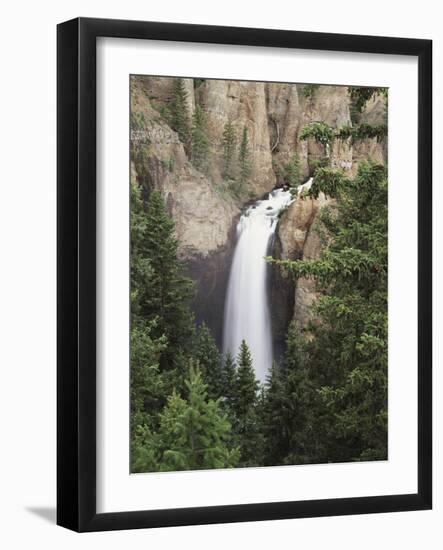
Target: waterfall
[(246, 315)]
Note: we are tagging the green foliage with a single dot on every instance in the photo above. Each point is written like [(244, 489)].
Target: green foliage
[(346, 354), (169, 164), (179, 110), (328, 181), (325, 134), (163, 110), (169, 432), (209, 360), (244, 160), (146, 383), (147, 393), (140, 267), (143, 450), (276, 446), (193, 433), (229, 374), (326, 399), (289, 407), (229, 146), (140, 155), (200, 141), (315, 164), (159, 291), (360, 96), (159, 301), (138, 121), (309, 89), (362, 131), (246, 386), (320, 131), (247, 424), (198, 82), (294, 174)]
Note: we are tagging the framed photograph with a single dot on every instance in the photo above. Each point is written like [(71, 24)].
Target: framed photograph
[(244, 274)]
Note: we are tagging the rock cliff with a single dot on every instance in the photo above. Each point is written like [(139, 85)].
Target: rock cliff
[(244, 104), (201, 202), (299, 239), (297, 234), (203, 214)]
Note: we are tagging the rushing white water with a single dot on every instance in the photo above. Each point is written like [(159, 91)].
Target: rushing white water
[(246, 314)]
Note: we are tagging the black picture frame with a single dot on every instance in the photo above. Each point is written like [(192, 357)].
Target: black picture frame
[(76, 279)]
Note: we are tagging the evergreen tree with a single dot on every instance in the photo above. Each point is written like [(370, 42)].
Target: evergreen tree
[(347, 350), (244, 159), (200, 141), (139, 266), (276, 446), (147, 392), (294, 174), (246, 385), (143, 450), (209, 360), (194, 434), (247, 423), (326, 399), (229, 145), (159, 291), (289, 405), (179, 111), (229, 380)]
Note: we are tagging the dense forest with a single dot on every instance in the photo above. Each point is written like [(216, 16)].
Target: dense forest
[(325, 399)]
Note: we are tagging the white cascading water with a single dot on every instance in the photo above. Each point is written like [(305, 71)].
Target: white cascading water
[(246, 307), (246, 315)]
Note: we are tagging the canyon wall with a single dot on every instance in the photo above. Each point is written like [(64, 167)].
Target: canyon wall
[(297, 231), (203, 205)]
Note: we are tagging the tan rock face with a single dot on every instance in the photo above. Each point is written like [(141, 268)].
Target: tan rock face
[(158, 90), (289, 110), (331, 105), (203, 207), (203, 213), (286, 119), (191, 211), (297, 234), (375, 112), (305, 290), (294, 227), (244, 105), (300, 240)]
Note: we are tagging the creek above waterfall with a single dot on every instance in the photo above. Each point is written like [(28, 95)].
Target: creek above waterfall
[(246, 315)]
